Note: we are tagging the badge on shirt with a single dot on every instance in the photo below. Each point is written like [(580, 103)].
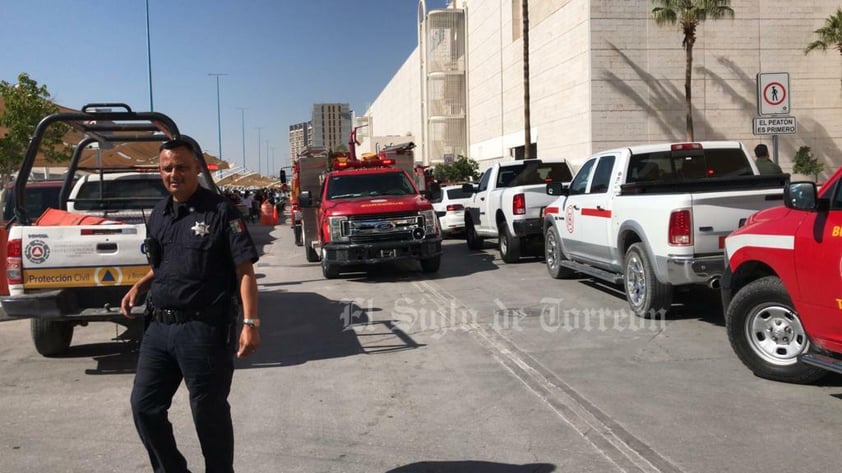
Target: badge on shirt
[(237, 226), (200, 229)]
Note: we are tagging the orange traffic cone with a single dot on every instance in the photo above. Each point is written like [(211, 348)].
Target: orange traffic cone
[(266, 213), (275, 215)]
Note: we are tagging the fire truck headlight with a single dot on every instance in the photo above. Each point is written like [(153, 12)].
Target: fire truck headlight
[(431, 222), (338, 228)]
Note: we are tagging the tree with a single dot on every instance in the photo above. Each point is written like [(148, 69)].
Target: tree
[(805, 163), (26, 103), (830, 35), (689, 14), (460, 170)]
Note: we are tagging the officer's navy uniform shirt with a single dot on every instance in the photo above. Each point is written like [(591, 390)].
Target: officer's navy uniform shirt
[(202, 240)]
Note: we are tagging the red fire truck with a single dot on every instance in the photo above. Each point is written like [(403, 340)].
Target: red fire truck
[(781, 287), (357, 212)]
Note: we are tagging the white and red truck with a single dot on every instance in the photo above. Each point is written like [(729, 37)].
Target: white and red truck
[(68, 269), (653, 217), (781, 286)]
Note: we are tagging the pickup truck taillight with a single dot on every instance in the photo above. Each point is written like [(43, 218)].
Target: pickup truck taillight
[(14, 252), (681, 228), (519, 204), (453, 207)]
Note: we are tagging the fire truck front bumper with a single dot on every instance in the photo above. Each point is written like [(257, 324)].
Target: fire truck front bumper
[(381, 252)]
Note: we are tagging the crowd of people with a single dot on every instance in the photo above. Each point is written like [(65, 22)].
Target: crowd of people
[(250, 200)]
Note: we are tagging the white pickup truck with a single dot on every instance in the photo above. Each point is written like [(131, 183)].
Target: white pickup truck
[(507, 204), (653, 217), (70, 269)]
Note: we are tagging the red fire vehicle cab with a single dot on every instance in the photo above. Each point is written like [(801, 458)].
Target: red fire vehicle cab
[(365, 212), (782, 288)]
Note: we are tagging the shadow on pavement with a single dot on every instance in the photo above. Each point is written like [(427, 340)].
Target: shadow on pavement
[(301, 327), (472, 466)]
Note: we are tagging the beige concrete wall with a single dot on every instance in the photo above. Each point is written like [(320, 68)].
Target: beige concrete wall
[(603, 75)]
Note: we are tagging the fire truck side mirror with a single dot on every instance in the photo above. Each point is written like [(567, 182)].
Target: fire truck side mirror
[(305, 199), (283, 176)]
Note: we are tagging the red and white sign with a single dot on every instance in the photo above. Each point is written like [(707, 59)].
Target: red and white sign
[(773, 93)]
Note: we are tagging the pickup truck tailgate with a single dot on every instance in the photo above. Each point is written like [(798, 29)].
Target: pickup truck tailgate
[(82, 256), (536, 199), (717, 214)]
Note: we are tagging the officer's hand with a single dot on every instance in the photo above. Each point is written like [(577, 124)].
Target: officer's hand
[(128, 302), (249, 341)]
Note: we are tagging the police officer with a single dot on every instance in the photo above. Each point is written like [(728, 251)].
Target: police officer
[(764, 164), (201, 258)]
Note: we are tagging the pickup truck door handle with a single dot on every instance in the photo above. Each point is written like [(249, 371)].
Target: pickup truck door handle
[(106, 247), (599, 207), (482, 199), (575, 207)]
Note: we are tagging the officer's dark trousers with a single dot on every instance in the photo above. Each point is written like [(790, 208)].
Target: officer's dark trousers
[(200, 354)]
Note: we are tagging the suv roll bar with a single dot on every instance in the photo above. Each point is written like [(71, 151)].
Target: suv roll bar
[(100, 124)]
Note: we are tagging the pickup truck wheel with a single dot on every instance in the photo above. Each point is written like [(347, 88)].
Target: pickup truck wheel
[(312, 255), (508, 245), (51, 337), (766, 333), (431, 265), (554, 255), (475, 242), (646, 295)]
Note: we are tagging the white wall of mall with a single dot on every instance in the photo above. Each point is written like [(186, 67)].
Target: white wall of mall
[(603, 75)]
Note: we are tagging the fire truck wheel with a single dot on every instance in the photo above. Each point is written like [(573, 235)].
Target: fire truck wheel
[(766, 333), (431, 265), (330, 271), (508, 244), (647, 296), (312, 255), (475, 242), (51, 337), (554, 255)]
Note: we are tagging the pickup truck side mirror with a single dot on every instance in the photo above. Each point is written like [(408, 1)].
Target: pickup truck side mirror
[(469, 188), (803, 196), (305, 199), (425, 194), (558, 188)]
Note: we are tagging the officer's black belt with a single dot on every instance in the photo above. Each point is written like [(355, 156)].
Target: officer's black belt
[(180, 316)]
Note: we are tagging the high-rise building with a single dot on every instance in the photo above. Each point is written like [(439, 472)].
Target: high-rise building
[(331, 125), (299, 138)]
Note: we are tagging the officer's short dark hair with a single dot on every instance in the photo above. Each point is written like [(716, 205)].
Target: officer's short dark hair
[(175, 143), (761, 151)]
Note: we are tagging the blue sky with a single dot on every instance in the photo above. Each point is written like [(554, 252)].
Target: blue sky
[(280, 57)]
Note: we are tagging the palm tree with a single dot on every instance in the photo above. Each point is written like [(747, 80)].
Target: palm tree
[(688, 14), (829, 35)]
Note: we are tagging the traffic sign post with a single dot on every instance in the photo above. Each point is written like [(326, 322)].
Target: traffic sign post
[(773, 93)]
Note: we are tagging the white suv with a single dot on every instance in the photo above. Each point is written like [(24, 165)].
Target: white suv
[(449, 205)]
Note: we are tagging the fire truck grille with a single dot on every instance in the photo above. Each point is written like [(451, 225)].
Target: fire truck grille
[(385, 228)]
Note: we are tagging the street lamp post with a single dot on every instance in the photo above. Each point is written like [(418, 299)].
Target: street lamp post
[(274, 169), (149, 57), (259, 166), (243, 110), (268, 171), (218, 111)]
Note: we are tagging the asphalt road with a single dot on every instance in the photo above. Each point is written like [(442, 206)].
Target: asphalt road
[(484, 367)]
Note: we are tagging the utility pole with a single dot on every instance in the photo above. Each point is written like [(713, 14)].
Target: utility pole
[(259, 168), (149, 58), (243, 110), (527, 121), (218, 111)]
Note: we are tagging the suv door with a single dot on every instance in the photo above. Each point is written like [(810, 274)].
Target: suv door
[(478, 208)]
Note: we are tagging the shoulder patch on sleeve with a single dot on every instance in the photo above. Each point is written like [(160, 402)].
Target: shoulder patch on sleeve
[(237, 225)]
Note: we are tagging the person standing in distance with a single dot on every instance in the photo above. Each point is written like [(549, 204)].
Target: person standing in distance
[(201, 257), (764, 164)]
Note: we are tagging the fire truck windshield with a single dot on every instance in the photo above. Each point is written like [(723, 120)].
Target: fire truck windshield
[(348, 186)]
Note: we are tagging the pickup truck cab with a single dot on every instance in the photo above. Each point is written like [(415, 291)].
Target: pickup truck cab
[(64, 273), (507, 203), (780, 289), (119, 196), (653, 217)]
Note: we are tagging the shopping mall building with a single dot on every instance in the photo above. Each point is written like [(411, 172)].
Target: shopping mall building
[(602, 74)]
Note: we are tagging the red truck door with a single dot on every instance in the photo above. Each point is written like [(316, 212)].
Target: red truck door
[(818, 263)]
